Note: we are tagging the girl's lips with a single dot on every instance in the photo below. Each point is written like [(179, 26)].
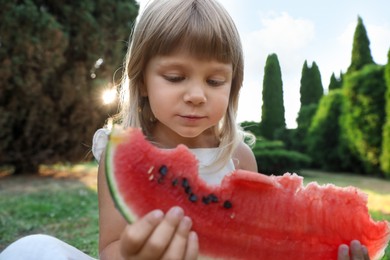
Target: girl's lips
[(192, 117)]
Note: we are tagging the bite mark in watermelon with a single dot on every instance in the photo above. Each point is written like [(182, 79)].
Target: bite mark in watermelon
[(248, 216)]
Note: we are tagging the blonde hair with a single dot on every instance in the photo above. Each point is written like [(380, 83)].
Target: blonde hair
[(202, 27)]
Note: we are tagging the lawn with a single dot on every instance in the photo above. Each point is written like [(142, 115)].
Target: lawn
[(62, 201)]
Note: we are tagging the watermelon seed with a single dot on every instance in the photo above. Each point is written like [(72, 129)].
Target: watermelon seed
[(163, 170), (188, 190), (206, 200), (193, 197), (151, 177), (160, 180), (232, 216), (227, 204), (213, 198), (175, 182), (150, 169), (185, 183)]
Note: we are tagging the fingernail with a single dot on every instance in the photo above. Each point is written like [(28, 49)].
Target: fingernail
[(356, 244), (343, 250), (193, 237), (157, 214), (187, 223), (176, 212)]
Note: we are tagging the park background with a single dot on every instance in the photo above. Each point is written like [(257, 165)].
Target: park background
[(59, 63)]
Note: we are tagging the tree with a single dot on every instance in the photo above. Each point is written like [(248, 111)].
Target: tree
[(324, 143), (364, 115), (272, 113), (361, 53), (55, 60), (311, 91), (335, 83), (385, 156)]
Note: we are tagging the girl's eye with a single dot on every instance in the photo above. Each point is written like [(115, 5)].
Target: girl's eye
[(174, 79), (215, 83)]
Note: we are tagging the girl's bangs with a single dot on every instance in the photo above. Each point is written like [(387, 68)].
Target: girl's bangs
[(199, 36)]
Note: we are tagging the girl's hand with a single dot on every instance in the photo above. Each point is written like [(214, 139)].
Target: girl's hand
[(159, 236), (356, 250)]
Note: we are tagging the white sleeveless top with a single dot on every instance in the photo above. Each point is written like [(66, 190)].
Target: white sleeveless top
[(209, 171)]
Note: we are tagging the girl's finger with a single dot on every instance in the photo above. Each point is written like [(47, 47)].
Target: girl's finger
[(177, 247), (161, 237), (135, 235), (192, 250), (343, 252), (356, 250), (365, 253)]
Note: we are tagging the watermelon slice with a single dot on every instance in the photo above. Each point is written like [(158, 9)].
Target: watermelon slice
[(250, 215)]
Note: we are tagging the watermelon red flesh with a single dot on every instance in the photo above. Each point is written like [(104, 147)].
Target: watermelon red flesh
[(256, 216)]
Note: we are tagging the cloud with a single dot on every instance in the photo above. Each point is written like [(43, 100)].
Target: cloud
[(283, 32), (279, 33), (289, 38)]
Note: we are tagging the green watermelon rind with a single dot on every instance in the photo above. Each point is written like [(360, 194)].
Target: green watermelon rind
[(111, 182)]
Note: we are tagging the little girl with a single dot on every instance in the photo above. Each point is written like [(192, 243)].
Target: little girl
[(183, 73), (184, 70)]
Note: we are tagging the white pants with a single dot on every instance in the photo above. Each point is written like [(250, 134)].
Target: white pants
[(42, 247)]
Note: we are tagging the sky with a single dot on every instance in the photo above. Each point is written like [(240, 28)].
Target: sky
[(298, 31)]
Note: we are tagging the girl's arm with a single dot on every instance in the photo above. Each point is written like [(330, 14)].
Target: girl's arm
[(244, 158), (155, 236)]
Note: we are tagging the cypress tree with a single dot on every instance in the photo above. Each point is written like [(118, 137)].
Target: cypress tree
[(56, 58), (311, 89), (335, 83), (272, 114), (361, 53), (385, 156)]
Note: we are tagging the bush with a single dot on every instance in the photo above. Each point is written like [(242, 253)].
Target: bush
[(363, 115), (323, 139), (273, 158)]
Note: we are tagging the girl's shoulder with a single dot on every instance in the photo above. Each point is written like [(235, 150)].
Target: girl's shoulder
[(244, 158)]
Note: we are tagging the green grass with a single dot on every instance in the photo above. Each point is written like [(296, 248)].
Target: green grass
[(62, 202), (66, 209)]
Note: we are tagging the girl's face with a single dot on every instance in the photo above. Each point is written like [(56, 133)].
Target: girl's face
[(187, 96)]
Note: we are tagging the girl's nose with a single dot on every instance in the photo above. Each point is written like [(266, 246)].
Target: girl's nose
[(195, 95)]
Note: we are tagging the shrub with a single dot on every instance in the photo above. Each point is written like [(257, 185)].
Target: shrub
[(273, 158)]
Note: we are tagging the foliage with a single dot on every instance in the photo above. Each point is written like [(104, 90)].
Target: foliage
[(252, 127), (311, 89), (56, 57), (273, 158), (272, 113), (335, 83), (304, 119), (361, 53), (364, 115), (324, 143), (385, 156)]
